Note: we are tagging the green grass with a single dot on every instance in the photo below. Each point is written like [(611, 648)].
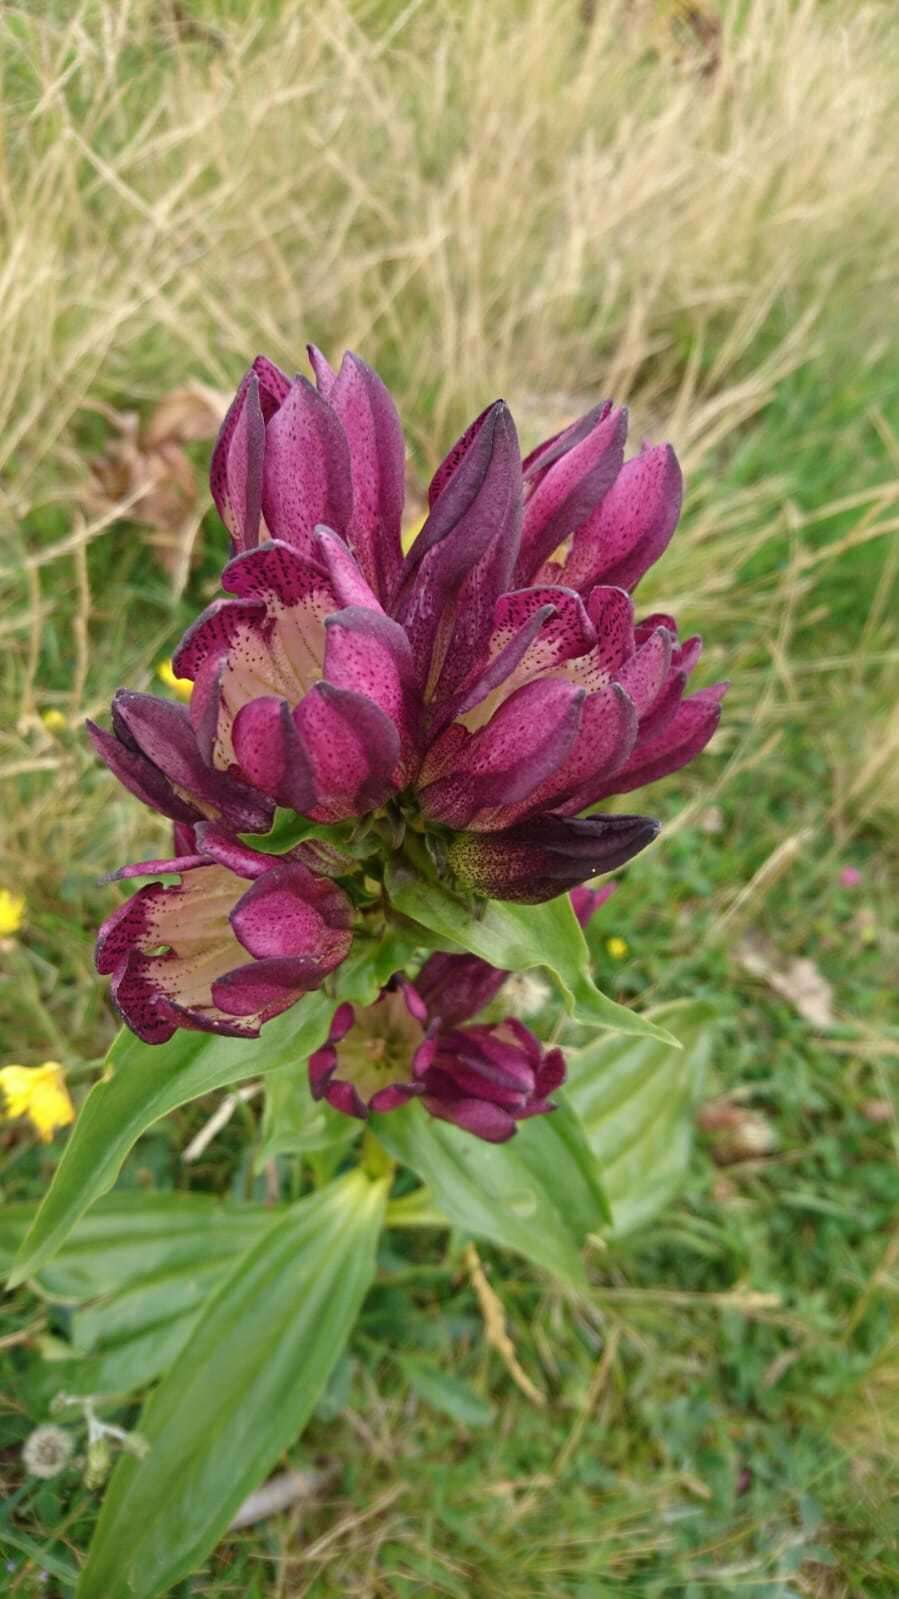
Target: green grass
[(743, 1439)]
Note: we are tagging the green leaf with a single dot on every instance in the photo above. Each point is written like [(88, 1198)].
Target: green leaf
[(370, 963), (142, 1083), (446, 1393), (287, 830), (259, 1358), (294, 1123), (135, 1273), (517, 938), (634, 1098), (538, 1194), (129, 1235)]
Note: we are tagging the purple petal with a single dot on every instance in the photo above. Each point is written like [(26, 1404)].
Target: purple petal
[(534, 631), (455, 987), (455, 456), (306, 478), (218, 846), (686, 734), (462, 559), (265, 988), (274, 385), (290, 912), (644, 676), (632, 526), (271, 754), (157, 868), (378, 467), (539, 860), (568, 493), (476, 1116), (235, 474), (535, 466), (213, 633), (368, 653), (354, 750), (163, 732), (586, 902), (140, 777), (325, 376), (605, 739), (521, 748)]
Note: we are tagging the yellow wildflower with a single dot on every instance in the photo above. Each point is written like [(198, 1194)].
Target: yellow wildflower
[(617, 948), (183, 686), (12, 912), (54, 721), (40, 1093)]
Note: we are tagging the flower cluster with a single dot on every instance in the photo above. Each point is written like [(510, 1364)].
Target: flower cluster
[(486, 691)]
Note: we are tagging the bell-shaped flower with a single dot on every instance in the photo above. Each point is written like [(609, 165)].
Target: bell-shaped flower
[(463, 558), (570, 703), (484, 1078), (239, 939), (375, 1056), (541, 859), (303, 686)]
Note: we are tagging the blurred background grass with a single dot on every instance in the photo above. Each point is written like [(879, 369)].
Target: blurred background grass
[(691, 207)]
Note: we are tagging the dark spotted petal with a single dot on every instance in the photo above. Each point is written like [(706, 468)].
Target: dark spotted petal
[(682, 739), (306, 477), (463, 557), (567, 493), (539, 860), (632, 526), (378, 470)]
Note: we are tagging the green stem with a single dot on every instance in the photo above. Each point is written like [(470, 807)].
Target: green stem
[(374, 1160), (415, 1210)]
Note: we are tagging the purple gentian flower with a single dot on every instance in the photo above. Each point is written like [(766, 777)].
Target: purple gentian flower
[(241, 938), (343, 674), (484, 1078), (489, 688)]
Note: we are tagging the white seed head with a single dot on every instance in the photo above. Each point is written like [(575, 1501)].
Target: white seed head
[(47, 1451), (524, 993)]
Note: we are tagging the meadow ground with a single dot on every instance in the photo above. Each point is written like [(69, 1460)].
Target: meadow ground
[(690, 207)]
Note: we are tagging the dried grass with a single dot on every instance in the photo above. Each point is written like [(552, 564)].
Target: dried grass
[(520, 198)]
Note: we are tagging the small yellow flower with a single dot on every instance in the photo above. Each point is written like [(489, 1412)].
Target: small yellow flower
[(54, 721), (183, 686), (12, 912), (411, 531), (40, 1093), (617, 948)]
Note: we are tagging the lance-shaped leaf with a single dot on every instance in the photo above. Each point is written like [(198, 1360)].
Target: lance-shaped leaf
[(517, 938), (143, 1083), (635, 1098), (258, 1360), (134, 1275), (539, 1194)]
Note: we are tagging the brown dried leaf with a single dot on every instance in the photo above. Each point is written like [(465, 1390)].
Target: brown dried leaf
[(186, 414), (798, 981), (147, 472), (735, 1132)]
